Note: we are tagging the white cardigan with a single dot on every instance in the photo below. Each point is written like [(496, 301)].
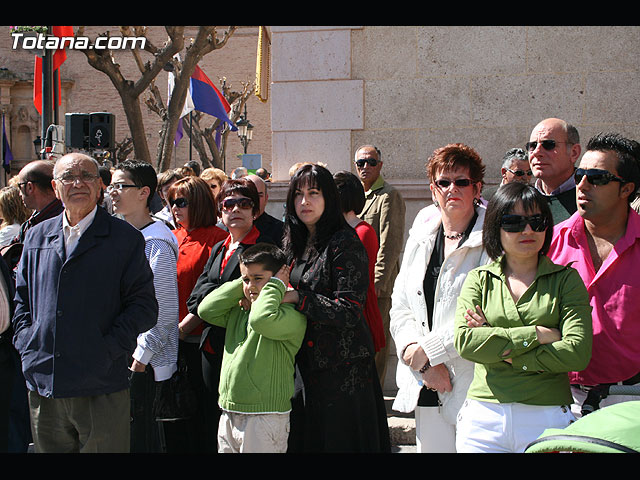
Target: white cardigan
[(409, 323)]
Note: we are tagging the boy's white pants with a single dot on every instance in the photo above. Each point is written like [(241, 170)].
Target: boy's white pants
[(485, 427), (253, 433)]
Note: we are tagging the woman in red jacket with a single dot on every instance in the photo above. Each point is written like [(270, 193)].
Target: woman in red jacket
[(195, 213), (352, 201)]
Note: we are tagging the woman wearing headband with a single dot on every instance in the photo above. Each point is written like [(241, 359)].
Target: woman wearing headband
[(525, 322)]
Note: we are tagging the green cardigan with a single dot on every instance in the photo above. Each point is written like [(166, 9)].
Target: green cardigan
[(557, 298), (260, 347)]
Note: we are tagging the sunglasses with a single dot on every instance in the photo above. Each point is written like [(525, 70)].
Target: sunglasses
[(229, 204), (520, 173), (461, 182), (179, 202), (371, 161), (517, 223), (595, 176), (546, 144)]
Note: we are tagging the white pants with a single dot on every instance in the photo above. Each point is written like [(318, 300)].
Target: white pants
[(485, 427), (253, 433), (433, 433)]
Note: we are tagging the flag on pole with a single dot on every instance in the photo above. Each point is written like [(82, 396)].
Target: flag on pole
[(59, 57), (188, 107), (208, 99), (7, 156)]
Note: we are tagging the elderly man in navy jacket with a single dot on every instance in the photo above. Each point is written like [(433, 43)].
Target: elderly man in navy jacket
[(84, 291)]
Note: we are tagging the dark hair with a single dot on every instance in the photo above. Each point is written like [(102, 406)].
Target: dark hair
[(351, 191), (195, 166), (628, 152), (266, 254), (41, 174), (105, 174), (295, 232), (502, 203), (168, 176), (142, 174), (453, 156), (241, 186), (202, 207)]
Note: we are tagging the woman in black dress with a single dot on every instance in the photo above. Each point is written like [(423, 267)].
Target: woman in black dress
[(343, 403)]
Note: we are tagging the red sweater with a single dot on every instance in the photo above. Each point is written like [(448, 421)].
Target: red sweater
[(369, 239), (194, 251)]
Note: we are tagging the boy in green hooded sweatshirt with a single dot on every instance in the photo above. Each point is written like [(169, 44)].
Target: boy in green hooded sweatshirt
[(262, 338)]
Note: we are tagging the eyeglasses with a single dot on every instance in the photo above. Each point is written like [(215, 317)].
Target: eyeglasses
[(229, 204), (371, 161), (460, 182), (546, 144), (117, 187), (70, 179), (520, 173), (596, 176), (179, 202), (517, 223)]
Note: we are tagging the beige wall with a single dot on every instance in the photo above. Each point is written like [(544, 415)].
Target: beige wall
[(411, 89)]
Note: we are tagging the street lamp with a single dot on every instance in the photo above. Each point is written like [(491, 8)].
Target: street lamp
[(245, 129)]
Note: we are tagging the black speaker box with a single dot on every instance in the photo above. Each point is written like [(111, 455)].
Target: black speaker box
[(101, 130), (76, 131), (90, 130)]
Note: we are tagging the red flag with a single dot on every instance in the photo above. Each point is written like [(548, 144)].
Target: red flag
[(59, 57)]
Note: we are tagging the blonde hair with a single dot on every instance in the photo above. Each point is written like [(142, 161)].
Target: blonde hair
[(12, 209), (213, 173)]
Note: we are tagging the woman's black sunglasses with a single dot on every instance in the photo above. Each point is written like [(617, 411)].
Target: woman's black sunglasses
[(179, 202), (517, 223), (228, 204), (461, 182)]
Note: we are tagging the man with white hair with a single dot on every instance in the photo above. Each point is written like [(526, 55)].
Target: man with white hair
[(84, 292)]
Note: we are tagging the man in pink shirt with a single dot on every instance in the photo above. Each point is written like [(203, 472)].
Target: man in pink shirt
[(602, 241)]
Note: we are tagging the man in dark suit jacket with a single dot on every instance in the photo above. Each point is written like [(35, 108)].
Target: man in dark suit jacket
[(84, 291)]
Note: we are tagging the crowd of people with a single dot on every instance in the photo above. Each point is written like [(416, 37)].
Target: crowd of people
[(145, 312)]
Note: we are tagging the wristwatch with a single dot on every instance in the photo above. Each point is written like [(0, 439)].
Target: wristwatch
[(426, 367)]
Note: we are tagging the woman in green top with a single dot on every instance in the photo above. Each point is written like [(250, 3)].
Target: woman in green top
[(525, 322)]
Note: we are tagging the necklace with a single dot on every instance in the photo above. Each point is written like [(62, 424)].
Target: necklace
[(456, 236)]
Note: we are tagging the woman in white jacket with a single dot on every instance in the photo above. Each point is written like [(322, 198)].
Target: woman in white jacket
[(444, 244)]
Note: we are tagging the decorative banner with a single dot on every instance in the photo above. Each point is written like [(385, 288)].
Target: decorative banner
[(263, 65)]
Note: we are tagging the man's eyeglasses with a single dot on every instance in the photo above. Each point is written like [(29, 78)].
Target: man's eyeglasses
[(70, 179), (179, 202), (117, 187), (371, 161), (596, 176), (229, 204), (546, 144), (517, 223), (520, 173), (460, 182)]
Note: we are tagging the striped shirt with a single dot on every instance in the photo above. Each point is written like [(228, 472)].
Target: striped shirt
[(159, 345)]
